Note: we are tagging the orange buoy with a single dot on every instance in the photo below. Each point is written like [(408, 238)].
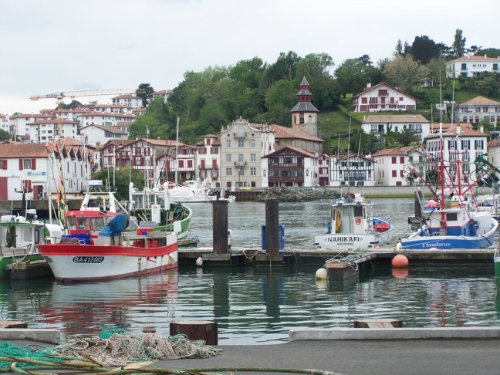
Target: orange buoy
[(400, 261), (400, 273)]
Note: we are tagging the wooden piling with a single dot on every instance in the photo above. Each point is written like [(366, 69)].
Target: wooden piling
[(418, 204), (272, 227), (220, 227)]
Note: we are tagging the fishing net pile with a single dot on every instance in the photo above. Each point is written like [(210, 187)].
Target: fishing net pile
[(120, 349)]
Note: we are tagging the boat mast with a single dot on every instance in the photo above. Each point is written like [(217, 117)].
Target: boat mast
[(441, 169), (176, 150)]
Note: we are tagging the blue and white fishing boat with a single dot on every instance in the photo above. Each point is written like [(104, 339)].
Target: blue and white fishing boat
[(451, 224), (451, 219), (351, 226)]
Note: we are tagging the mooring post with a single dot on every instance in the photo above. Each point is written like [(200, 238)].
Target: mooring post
[(418, 204), (272, 227), (220, 232)]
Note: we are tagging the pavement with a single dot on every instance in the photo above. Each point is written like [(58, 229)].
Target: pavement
[(360, 357), (347, 351)]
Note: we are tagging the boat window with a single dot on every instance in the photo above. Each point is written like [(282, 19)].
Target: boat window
[(358, 211), (97, 223), (83, 223), (451, 217), (72, 223), (27, 233), (37, 235)]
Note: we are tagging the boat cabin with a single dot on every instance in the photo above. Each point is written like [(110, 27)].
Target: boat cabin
[(87, 222), (350, 215)]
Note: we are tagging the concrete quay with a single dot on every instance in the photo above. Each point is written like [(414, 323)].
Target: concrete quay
[(398, 351)]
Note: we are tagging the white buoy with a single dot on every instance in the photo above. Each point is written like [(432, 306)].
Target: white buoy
[(398, 246), (321, 274), (199, 262)]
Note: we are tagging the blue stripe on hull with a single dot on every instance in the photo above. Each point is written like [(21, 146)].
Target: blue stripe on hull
[(443, 243)]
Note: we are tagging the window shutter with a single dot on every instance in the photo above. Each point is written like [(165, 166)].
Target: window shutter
[(4, 164), (20, 164), (33, 163)]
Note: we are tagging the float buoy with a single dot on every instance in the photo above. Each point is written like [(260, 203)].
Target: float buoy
[(400, 261), (400, 273), (199, 261), (321, 274)]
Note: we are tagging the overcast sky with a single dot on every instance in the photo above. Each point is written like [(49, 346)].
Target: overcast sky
[(66, 45)]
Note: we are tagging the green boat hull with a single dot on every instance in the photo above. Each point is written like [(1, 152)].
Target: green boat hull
[(7, 261)]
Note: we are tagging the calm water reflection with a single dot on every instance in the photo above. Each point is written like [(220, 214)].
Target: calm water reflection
[(255, 306), (260, 305)]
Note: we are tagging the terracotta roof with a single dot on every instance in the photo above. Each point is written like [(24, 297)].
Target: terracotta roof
[(112, 106), (116, 142), (33, 115), (452, 131), (296, 149), (127, 96), (480, 100), (368, 89), (162, 92), (123, 124), (476, 58), (283, 132), (53, 121), (69, 141), (111, 129), (108, 114), (21, 150), (395, 118), (446, 127), (494, 142), (401, 151)]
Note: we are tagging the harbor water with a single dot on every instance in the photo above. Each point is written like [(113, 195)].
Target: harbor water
[(260, 305)]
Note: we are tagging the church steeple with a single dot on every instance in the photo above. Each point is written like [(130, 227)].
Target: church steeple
[(304, 113)]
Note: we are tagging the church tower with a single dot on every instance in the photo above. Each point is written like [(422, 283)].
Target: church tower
[(304, 113)]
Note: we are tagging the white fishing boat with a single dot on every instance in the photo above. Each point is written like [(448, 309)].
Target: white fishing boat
[(351, 226), (114, 253), (19, 235)]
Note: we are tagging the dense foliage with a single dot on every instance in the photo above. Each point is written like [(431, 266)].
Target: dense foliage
[(264, 93), (119, 179)]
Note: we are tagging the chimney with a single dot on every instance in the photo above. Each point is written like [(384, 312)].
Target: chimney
[(368, 85), (481, 129)]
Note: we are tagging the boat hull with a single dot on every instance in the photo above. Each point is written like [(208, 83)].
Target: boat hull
[(423, 242), (77, 262), (353, 241)]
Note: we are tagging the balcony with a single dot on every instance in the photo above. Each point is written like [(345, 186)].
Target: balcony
[(240, 164), (286, 179)]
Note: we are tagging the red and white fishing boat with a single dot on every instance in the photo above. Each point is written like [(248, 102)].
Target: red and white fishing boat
[(114, 253)]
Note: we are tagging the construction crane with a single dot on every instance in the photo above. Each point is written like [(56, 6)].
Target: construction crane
[(60, 95)]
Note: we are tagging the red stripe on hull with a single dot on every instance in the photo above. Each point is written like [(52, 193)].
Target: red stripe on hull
[(97, 250), (147, 272)]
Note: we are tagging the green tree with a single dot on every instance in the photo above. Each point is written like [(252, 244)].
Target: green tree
[(285, 67), (72, 105), (424, 49), (398, 50), (145, 92), (4, 135), (458, 44), (157, 121), (353, 75), (122, 178), (407, 136), (490, 52), (402, 72)]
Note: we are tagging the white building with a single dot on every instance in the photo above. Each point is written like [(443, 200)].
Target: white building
[(472, 66), (4, 123), (351, 170), (129, 100), (391, 165), (459, 144), (50, 130), (112, 108), (383, 97), (208, 160), (98, 134), (36, 170), (242, 146), (478, 108), (163, 93), (380, 124), (19, 123), (104, 118), (494, 152)]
